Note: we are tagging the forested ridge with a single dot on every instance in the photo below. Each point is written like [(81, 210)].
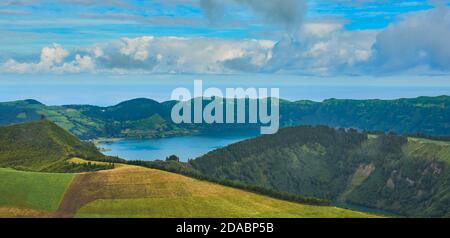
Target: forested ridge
[(407, 176), (146, 118)]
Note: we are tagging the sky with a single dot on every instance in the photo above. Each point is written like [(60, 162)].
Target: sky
[(127, 39)]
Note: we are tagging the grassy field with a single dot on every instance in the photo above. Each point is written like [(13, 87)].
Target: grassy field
[(428, 149), (130, 191), (139, 192), (31, 192)]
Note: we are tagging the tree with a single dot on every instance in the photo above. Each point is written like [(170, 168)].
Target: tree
[(173, 158)]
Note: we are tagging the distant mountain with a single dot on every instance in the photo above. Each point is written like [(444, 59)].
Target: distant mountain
[(19, 111), (133, 110), (427, 115), (402, 175), (145, 118), (43, 146)]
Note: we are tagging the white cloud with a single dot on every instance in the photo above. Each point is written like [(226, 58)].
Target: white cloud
[(79, 65), (419, 40), (51, 61), (183, 55), (53, 55), (417, 43), (321, 48), (136, 48), (153, 55)]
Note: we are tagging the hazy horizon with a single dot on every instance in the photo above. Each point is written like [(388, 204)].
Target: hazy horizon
[(107, 91)]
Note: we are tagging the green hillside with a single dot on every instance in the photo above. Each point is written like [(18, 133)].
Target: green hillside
[(115, 191), (129, 191), (145, 118), (32, 191), (43, 146), (405, 176)]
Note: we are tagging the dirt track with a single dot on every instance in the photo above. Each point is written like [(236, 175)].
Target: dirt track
[(73, 200), (126, 182)]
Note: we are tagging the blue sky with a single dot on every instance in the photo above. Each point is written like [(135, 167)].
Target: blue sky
[(325, 37), (75, 24)]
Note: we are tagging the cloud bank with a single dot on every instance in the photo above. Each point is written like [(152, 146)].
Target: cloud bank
[(321, 48), (152, 55), (417, 42), (52, 61)]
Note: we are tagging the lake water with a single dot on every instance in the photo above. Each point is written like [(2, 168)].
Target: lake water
[(186, 147)]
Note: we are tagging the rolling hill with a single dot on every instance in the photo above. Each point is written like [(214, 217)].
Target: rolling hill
[(31, 194), (43, 146), (145, 118), (129, 191), (406, 176), (118, 190)]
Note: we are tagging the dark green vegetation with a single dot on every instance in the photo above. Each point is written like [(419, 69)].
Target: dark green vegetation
[(393, 173), (43, 146), (145, 118), (425, 115)]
